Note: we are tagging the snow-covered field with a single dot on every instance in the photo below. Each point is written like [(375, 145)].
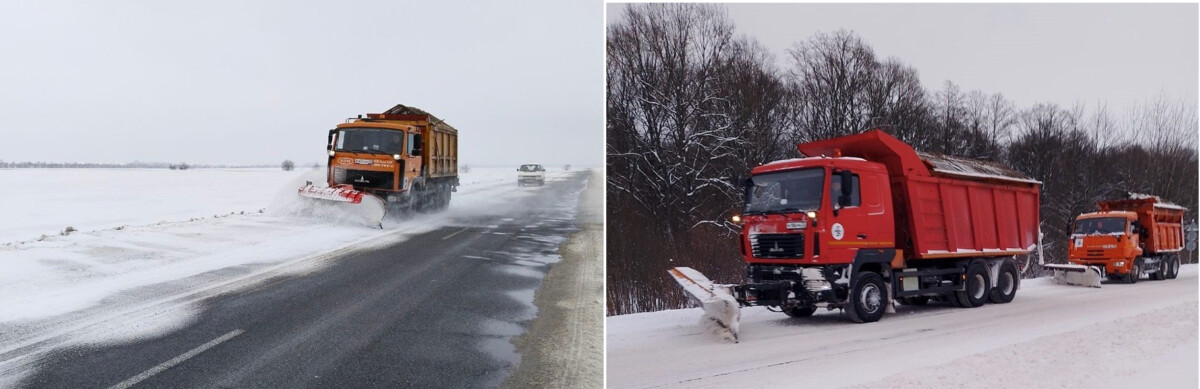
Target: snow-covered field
[(144, 227), (1051, 336)]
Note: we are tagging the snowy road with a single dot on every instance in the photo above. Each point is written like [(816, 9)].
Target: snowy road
[(1120, 335), (433, 301)]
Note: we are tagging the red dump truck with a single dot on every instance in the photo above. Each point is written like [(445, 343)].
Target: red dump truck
[(1126, 238), (865, 220)]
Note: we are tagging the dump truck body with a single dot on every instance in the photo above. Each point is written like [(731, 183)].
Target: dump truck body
[(405, 157), (1128, 238)]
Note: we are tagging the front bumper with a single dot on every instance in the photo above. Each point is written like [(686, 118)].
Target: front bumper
[(1119, 266)]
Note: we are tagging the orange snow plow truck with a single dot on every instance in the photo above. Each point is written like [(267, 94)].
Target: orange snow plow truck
[(404, 159), (1124, 240)]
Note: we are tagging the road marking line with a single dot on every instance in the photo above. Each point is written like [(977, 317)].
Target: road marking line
[(455, 233), (175, 361)]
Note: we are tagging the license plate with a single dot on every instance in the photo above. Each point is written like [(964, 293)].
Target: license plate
[(797, 225), (362, 161)]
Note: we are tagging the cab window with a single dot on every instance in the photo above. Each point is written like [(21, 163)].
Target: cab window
[(835, 190)]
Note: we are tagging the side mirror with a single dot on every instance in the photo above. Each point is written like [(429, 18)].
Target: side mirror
[(329, 142)]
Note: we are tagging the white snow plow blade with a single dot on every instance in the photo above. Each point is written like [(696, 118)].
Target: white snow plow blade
[(355, 204), (721, 310), (1076, 275)]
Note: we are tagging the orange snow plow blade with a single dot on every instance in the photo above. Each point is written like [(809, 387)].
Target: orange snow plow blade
[(362, 204)]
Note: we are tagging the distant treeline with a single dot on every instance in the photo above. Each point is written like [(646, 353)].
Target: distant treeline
[(692, 106), (130, 165)]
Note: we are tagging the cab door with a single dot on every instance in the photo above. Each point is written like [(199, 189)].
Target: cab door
[(862, 219)]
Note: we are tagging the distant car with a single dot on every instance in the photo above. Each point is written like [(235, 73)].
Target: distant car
[(531, 173)]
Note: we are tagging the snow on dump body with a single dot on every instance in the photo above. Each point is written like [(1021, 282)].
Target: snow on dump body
[(1158, 201), (962, 167)]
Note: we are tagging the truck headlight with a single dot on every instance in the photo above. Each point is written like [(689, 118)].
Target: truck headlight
[(330, 153), (396, 157), (1119, 263)]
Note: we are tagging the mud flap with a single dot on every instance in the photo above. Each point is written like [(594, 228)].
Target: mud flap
[(891, 296), (721, 309), (368, 207), (1079, 275)]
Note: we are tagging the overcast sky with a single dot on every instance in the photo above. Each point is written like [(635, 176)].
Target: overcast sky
[(1029, 52), (258, 82)]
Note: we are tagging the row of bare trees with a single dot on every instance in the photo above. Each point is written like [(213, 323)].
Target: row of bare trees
[(693, 106)]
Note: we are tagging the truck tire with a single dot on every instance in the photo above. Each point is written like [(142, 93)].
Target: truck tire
[(800, 311), (1172, 267), (978, 285), (1007, 282), (1135, 274), (1161, 274), (867, 301)]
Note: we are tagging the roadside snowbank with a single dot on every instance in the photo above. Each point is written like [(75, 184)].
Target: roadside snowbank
[(62, 274), (45, 201)]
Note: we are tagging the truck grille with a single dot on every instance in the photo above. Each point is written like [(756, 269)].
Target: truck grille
[(777, 245), (1095, 253), (364, 178)]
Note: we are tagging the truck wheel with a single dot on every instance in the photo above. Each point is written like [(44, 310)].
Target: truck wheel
[(1173, 267), (1136, 273), (866, 303), (977, 286), (1161, 274), (1006, 284), (798, 311)]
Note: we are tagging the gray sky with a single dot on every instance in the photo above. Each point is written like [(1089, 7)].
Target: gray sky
[(259, 82), (1029, 52)]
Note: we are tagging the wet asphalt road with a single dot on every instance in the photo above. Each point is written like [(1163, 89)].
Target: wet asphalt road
[(436, 310)]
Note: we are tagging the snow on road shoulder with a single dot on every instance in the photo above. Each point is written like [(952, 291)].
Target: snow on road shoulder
[(1153, 349), (91, 199), (62, 274), (671, 349), (67, 273)]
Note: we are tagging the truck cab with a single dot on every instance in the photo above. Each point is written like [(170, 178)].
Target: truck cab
[(376, 157), (1107, 239), (816, 211)]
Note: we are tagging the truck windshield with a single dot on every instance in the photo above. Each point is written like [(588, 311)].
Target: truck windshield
[(531, 168), (1100, 225), (794, 190), (370, 140)]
